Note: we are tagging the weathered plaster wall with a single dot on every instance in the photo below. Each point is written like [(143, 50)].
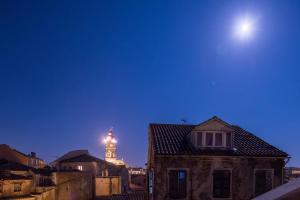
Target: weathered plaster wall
[(73, 185), (108, 186), (8, 188), (200, 170), (45, 193)]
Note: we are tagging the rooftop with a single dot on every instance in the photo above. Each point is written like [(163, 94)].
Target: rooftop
[(171, 139)]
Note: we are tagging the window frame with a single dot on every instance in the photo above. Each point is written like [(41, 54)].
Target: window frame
[(254, 177), (212, 185), (187, 181), (17, 190), (213, 139), (224, 139)]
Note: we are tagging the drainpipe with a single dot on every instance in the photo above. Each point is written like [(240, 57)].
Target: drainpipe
[(286, 161)]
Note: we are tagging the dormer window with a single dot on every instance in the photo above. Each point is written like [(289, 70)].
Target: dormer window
[(213, 139)]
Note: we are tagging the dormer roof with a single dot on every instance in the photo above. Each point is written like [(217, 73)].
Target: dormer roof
[(214, 124)]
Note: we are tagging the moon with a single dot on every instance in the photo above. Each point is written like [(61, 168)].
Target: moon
[(244, 28)]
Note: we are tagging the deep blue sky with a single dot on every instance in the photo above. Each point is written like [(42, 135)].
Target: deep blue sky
[(71, 70)]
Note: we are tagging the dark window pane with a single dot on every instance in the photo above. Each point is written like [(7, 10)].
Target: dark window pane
[(199, 138), (218, 139), (263, 181), (177, 184), (209, 139), (221, 183), (17, 187), (228, 139)]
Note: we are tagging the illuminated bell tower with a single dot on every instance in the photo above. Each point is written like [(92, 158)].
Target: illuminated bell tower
[(110, 147)]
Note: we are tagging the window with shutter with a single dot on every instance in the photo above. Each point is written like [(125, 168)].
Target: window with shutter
[(177, 184), (263, 181), (221, 183)]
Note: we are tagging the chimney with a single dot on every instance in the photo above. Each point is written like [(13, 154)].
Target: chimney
[(33, 154)]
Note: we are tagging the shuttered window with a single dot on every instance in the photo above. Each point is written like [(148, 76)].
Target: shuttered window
[(221, 183), (263, 181), (177, 184)]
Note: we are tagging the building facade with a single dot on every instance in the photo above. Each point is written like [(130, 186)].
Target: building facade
[(108, 178), (291, 173), (18, 181), (13, 155), (212, 160), (14, 186)]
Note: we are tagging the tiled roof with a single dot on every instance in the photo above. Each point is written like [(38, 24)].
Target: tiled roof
[(9, 176), (13, 166), (170, 139), (83, 158)]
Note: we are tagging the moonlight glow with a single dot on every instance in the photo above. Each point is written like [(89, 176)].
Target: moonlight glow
[(244, 28)]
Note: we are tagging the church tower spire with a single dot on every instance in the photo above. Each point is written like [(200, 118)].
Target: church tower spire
[(110, 147)]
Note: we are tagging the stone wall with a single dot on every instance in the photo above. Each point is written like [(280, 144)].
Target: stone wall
[(45, 193), (8, 188), (108, 185), (73, 185), (200, 170)]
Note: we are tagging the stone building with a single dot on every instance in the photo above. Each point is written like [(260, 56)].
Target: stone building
[(137, 178), (211, 160), (14, 185), (24, 181), (13, 155), (108, 178), (291, 173)]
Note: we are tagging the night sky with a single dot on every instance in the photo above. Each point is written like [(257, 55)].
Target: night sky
[(69, 71)]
